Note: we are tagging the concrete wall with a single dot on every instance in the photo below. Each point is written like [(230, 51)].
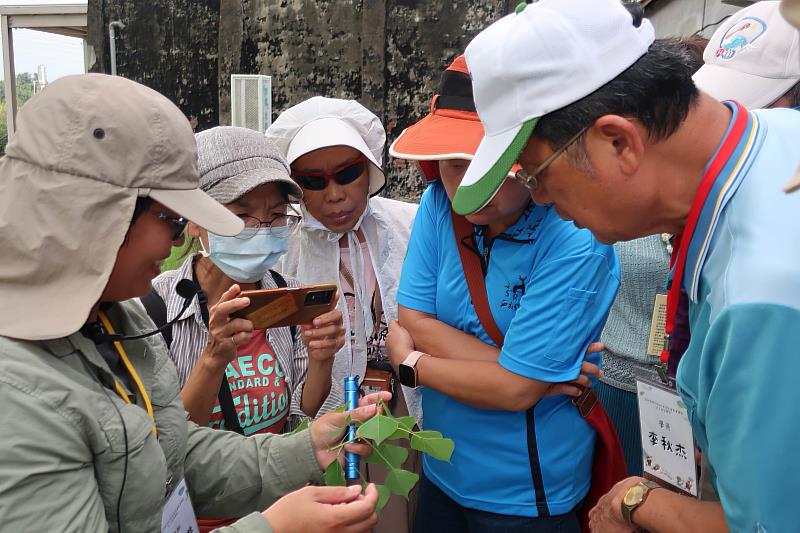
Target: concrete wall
[(387, 54), (170, 45), (681, 18)]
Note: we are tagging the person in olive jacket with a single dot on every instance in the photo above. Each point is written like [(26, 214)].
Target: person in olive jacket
[(97, 184)]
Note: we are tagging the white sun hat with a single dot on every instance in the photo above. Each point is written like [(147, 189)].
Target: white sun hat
[(753, 57)]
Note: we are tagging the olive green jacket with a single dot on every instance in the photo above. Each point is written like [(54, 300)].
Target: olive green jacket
[(65, 452)]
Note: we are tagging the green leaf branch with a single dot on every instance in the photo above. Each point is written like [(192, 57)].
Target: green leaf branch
[(377, 431)]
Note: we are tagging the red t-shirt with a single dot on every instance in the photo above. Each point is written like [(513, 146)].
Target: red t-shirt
[(258, 386), (260, 397)]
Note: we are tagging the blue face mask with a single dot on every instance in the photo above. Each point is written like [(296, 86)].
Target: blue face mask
[(247, 257)]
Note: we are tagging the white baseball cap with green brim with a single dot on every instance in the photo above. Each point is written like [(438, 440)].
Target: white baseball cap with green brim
[(544, 57)]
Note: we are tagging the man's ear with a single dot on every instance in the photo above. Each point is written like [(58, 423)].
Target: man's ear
[(621, 139)]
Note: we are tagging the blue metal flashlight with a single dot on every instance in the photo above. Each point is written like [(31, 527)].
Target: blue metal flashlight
[(351, 398)]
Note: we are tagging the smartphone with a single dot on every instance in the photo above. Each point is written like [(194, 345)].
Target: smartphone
[(287, 306)]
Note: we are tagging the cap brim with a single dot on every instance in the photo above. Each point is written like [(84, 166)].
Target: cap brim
[(200, 208), (438, 137), (330, 131), (490, 166), (793, 184), (754, 92), (231, 189)]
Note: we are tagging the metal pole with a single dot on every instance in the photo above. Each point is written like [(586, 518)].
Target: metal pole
[(113, 44), (10, 75)]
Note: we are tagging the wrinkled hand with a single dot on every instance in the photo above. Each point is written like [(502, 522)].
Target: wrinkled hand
[(399, 343), (606, 517), (324, 510), (575, 387), (327, 430), (325, 336), (225, 333)]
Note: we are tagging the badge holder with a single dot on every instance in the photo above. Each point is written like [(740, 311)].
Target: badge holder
[(178, 513), (668, 451)]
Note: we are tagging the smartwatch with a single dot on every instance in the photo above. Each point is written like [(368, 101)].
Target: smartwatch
[(408, 369)]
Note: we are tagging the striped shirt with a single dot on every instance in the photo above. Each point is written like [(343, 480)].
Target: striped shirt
[(190, 336)]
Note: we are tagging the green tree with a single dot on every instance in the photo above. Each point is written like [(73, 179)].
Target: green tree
[(26, 82)]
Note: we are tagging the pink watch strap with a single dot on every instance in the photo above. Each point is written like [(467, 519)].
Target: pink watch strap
[(412, 358)]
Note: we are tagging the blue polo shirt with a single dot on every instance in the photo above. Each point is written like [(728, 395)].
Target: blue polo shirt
[(738, 376), (550, 286)]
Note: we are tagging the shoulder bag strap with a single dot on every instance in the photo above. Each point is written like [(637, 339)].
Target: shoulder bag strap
[(471, 264)]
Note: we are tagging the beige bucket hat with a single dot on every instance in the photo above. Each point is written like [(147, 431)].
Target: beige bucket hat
[(85, 149)]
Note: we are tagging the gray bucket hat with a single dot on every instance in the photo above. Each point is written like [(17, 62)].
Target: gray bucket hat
[(233, 161), (85, 149)]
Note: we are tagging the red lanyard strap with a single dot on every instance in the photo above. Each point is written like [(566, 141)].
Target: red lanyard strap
[(681, 245)]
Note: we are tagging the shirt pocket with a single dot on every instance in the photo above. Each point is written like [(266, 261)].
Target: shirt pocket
[(133, 459), (570, 328)]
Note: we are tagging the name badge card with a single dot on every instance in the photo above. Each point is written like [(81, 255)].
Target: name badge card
[(178, 514), (655, 342), (667, 441)]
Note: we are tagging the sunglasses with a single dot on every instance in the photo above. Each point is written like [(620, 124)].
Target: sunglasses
[(178, 224), (317, 181)]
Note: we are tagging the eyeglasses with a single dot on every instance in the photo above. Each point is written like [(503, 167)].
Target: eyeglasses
[(317, 181), (531, 181), (178, 224), (280, 222)]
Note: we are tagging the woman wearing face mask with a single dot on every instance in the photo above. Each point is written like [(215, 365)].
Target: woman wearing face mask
[(351, 237), (276, 377)]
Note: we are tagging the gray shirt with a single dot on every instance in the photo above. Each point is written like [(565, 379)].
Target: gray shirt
[(644, 265)]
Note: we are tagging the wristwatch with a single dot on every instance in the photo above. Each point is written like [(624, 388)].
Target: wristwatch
[(635, 496), (408, 369)]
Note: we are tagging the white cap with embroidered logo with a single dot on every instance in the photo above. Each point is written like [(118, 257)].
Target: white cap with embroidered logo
[(753, 57), (541, 58)]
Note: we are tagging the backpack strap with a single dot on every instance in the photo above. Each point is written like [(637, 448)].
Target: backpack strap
[(157, 309)]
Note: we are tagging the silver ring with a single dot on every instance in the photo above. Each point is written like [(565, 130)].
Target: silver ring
[(233, 340)]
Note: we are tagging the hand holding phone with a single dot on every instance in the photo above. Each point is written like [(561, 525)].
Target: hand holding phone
[(325, 335), (225, 332)]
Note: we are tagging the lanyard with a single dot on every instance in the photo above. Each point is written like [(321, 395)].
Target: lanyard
[(682, 241), (131, 371)]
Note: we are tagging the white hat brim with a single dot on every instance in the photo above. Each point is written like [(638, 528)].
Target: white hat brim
[(754, 92), (489, 168)]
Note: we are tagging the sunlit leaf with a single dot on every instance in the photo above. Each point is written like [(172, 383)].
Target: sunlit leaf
[(338, 431), (334, 474), (401, 482), (406, 424), (434, 444), (300, 427), (377, 428), (383, 497), (388, 455)]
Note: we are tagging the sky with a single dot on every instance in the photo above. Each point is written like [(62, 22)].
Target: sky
[(59, 54)]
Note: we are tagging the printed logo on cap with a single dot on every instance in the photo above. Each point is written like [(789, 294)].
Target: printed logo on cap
[(741, 35)]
